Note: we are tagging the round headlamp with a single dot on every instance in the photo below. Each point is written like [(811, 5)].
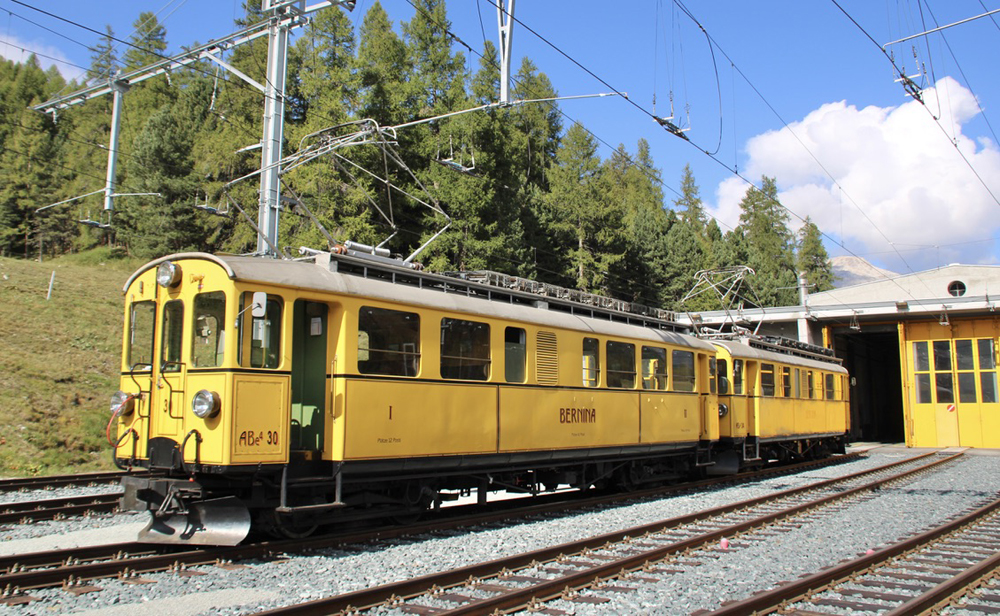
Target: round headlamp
[(168, 274), (206, 404), (723, 410), (122, 403)]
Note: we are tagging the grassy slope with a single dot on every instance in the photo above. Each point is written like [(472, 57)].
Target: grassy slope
[(58, 362)]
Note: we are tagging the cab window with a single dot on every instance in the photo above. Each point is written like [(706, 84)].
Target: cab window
[(738, 377), (654, 368), (388, 342), (591, 362), (208, 336), (465, 350), (173, 331), (683, 369), (723, 369), (142, 322), (767, 379), (515, 355), (260, 337), (621, 364)]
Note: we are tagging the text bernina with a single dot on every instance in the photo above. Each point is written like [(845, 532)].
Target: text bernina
[(577, 415)]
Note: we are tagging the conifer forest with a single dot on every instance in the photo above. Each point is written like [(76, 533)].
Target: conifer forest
[(528, 192)]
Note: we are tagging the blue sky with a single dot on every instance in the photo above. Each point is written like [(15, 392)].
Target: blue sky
[(874, 168)]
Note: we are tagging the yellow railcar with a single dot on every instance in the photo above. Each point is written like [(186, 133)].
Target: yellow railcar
[(298, 392), (779, 401)]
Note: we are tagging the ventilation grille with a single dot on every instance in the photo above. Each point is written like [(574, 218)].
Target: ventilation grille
[(547, 359)]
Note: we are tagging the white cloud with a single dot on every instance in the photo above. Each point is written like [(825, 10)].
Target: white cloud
[(19, 50), (898, 178)]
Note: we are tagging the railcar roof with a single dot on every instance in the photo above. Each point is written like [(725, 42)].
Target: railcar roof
[(740, 350), (311, 276)]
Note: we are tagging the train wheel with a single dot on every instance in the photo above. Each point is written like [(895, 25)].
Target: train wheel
[(284, 527)]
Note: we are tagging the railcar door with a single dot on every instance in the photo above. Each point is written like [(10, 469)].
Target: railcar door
[(309, 374), (168, 395)]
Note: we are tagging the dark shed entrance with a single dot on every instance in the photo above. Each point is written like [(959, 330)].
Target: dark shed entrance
[(871, 355)]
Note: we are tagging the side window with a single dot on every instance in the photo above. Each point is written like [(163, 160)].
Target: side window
[(142, 322), (388, 342), (831, 393), (172, 332), (738, 377), (712, 367), (767, 379), (683, 370), (654, 368), (987, 371), (208, 338), (798, 383), (260, 337), (723, 368), (786, 381), (810, 385), (591, 362), (515, 354), (621, 364), (465, 350)]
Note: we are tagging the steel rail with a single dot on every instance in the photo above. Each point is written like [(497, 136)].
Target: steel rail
[(364, 599), (771, 600), (55, 508), (141, 557), (32, 483)]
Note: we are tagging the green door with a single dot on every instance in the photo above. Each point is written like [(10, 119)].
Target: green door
[(308, 375)]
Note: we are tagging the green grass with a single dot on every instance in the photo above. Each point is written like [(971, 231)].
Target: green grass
[(58, 361)]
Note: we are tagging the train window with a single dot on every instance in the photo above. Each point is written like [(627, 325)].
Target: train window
[(921, 358), (712, 367), (831, 392), (786, 381), (591, 362), (388, 342), (515, 354), (173, 331), (738, 377), (465, 350), (767, 379), (810, 385), (723, 367), (654, 368), (683, 368), (140, 341), (263, 337), (621, 364), (942, 355), (798, 383), (208, 338)]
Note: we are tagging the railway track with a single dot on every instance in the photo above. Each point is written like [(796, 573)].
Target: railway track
[(78, 567), (26, 512), (953, 565), (60, 481), (585, 571)]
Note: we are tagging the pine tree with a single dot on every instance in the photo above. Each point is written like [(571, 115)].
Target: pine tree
[(812, 258), (103, 59), (688, 205), (768, 245)]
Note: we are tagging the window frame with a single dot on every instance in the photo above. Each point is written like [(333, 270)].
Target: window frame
[(408, 355), (620, 355), (472, 367), (218, 358)]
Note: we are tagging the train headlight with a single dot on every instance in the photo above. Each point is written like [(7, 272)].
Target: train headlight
[(168, 275), (206, 404), (723, 410), (122, 403)]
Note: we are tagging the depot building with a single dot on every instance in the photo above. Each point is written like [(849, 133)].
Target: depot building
[(921, 350)]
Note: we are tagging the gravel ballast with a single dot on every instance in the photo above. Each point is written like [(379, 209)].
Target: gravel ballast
[(736, 573)]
